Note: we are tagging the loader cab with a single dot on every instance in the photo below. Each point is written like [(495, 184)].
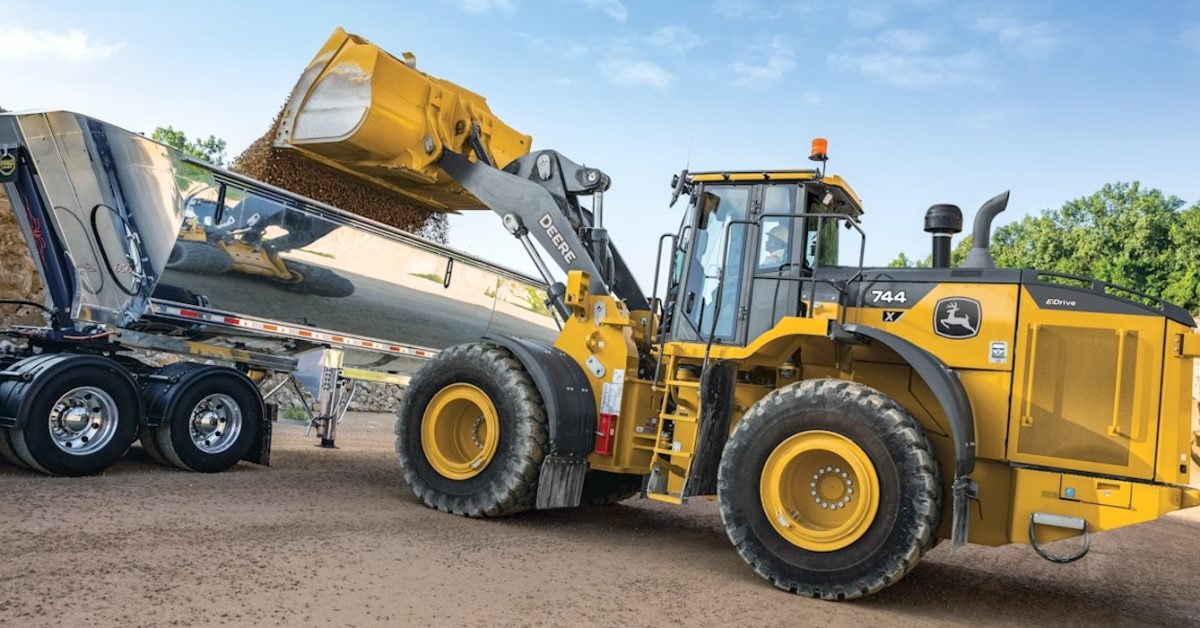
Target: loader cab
[(747, 246)]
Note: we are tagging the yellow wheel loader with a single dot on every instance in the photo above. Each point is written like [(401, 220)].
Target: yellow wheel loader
[(845, 418)]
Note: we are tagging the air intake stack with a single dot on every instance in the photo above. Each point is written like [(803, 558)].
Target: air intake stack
[(942, 222)]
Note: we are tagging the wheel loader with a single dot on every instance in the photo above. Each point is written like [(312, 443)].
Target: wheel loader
[(844, 418)]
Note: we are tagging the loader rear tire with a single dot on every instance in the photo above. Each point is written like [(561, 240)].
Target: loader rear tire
[(199, 257), (471, 433), (830, 489), (601, 488)]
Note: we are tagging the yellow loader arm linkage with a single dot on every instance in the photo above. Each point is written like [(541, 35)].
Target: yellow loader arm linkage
[(360, 110)]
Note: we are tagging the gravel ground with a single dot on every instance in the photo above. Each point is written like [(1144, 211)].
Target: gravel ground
[(334, 538)]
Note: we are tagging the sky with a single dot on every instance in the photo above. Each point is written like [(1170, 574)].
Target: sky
[(922, 101)]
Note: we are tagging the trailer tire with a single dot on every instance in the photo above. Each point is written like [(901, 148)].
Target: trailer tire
[(787, 484), (149, 442), (212, 425), (318, 281), (57, 438), (199, 257), (602, 488), (471, 433), (6, 452)]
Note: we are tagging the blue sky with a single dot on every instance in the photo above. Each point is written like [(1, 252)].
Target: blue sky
[(923, 101)]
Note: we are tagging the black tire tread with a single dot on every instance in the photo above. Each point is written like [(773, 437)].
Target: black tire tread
[(919, 465), (199, 257), (516, 491)]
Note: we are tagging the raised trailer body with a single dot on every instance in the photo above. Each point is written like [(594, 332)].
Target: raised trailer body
[(143, 247)]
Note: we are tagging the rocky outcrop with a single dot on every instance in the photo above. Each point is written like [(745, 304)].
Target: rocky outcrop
[(370, 397), (19, 278)]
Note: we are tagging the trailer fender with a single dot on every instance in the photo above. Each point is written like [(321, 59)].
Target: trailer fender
[(20, 383), (161, 392), (948, 389), (566, 393)]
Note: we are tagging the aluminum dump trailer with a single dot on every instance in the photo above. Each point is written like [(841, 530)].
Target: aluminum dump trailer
[(141, 247)]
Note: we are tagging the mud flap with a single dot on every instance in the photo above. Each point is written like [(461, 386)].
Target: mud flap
[(260, 451), (716, 411), (560, 484)]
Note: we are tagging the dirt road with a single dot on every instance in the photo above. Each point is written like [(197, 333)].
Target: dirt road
[(334, 538)]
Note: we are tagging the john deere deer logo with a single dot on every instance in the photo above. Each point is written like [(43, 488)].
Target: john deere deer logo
[(957, 317)]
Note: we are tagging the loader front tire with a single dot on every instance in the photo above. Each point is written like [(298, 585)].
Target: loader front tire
[(829, 489), (199, 257), (471, 433)]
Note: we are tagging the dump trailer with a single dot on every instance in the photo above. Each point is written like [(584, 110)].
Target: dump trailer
[(845, 418), (144, 249)]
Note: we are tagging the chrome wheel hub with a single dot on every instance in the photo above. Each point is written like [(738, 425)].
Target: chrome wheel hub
[(215, 423), (83, 420)]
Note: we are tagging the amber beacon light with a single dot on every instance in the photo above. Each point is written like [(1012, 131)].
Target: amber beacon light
[(820, 149)]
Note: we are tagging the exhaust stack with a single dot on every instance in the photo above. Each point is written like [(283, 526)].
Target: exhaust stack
[(980, 256)]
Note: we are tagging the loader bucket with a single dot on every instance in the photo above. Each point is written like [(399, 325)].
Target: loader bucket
[(360, 110)]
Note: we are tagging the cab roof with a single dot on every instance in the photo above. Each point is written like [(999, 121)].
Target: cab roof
[(841, 188)]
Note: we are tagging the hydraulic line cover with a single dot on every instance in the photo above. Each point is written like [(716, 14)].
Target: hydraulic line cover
[(360, 110)]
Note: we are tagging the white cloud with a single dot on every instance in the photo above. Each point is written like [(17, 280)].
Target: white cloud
[(779, 61), (1190, 37), (904, 40), (755, 10), (613, 8), (636, 73), (678, 39), (565, 50), (1030, 39), (72, 44), (485, 6), (913, 71), (867, 15)]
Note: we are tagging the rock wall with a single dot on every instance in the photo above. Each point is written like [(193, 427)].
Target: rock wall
[(19, 278), (371, 397)]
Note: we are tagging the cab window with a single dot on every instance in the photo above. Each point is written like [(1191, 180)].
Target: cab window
[(718, 207)]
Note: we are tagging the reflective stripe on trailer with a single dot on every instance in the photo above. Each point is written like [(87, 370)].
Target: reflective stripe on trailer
[(288, 331)]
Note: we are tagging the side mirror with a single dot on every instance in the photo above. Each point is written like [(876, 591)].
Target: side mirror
[(678, 183)]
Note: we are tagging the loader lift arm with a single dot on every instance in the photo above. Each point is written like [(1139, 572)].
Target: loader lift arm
[(538, 195)]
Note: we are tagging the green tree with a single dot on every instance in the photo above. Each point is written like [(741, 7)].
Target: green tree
[(210, 149), (1122, 234)]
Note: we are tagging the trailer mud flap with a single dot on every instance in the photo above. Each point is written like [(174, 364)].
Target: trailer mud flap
[(260, 451)]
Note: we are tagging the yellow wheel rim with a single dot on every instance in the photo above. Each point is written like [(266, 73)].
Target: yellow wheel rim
[(460, 431), (819, 490)]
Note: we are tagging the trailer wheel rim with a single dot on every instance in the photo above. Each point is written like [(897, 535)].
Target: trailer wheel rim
[(83, 421), (819, 490), (215, 423), (460, 431)]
